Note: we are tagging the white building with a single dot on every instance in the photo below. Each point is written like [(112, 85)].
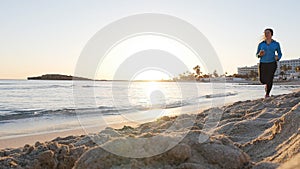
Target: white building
[(247, 70), (293, 63)]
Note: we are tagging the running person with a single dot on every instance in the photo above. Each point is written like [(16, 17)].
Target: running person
[(268, 59)]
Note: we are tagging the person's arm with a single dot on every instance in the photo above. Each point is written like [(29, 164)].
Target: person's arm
[(279, 51), (258, 50)]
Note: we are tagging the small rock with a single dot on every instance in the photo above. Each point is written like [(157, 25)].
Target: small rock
[(46, 159), (13, 164), (135, 164), (180, 153), (53, 146), (29, 150), (37, 144), (25, 148), (111, 133), (64, 149), (165, 118), (46, 155)]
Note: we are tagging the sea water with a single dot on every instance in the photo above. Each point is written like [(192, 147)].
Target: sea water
[(33, 107)]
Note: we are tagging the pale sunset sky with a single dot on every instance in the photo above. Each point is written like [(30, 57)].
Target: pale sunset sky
[(47, 36)]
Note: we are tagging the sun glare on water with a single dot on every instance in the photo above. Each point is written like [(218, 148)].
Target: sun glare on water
[(152, 87), (152, 75)]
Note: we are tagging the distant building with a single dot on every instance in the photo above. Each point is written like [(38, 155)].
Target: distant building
[(247, 70), (293, 63)]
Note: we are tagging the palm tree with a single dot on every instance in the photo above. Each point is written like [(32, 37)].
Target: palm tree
[(198, 72), (253, 74), (215, 73), (297, 68), (206, 76), (289, 68), (282, 74), (284, 68)]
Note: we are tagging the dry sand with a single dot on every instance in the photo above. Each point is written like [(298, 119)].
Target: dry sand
[(259, 134)]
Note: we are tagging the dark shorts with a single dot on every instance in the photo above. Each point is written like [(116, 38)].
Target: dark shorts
[(266, 72)]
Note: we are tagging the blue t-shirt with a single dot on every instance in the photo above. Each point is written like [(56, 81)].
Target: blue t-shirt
[(269, 49)]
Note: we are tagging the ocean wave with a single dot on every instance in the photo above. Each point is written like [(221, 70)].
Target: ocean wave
[(177, 104), (220, 95), (104, 110), (19, 114), (89, 86), (53, 86), (25, 114), (94, 86), (6, 83), (35, 87), (289, 86)]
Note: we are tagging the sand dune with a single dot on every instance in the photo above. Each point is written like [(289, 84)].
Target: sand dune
[(257, 134)]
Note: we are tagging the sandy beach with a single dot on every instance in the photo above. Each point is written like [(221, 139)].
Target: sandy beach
[(17, 142), (149, 84), (259, 134)]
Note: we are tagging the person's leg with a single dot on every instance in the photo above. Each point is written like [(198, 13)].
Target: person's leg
[(271, 69), (262, 73), (269, 88)]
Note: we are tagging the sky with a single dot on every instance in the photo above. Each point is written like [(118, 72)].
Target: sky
[(48, 36)]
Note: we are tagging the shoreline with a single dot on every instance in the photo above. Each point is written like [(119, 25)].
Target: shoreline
[(290, 82), (274, 83)]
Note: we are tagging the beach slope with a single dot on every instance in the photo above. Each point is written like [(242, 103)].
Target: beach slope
[(257, 134)]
